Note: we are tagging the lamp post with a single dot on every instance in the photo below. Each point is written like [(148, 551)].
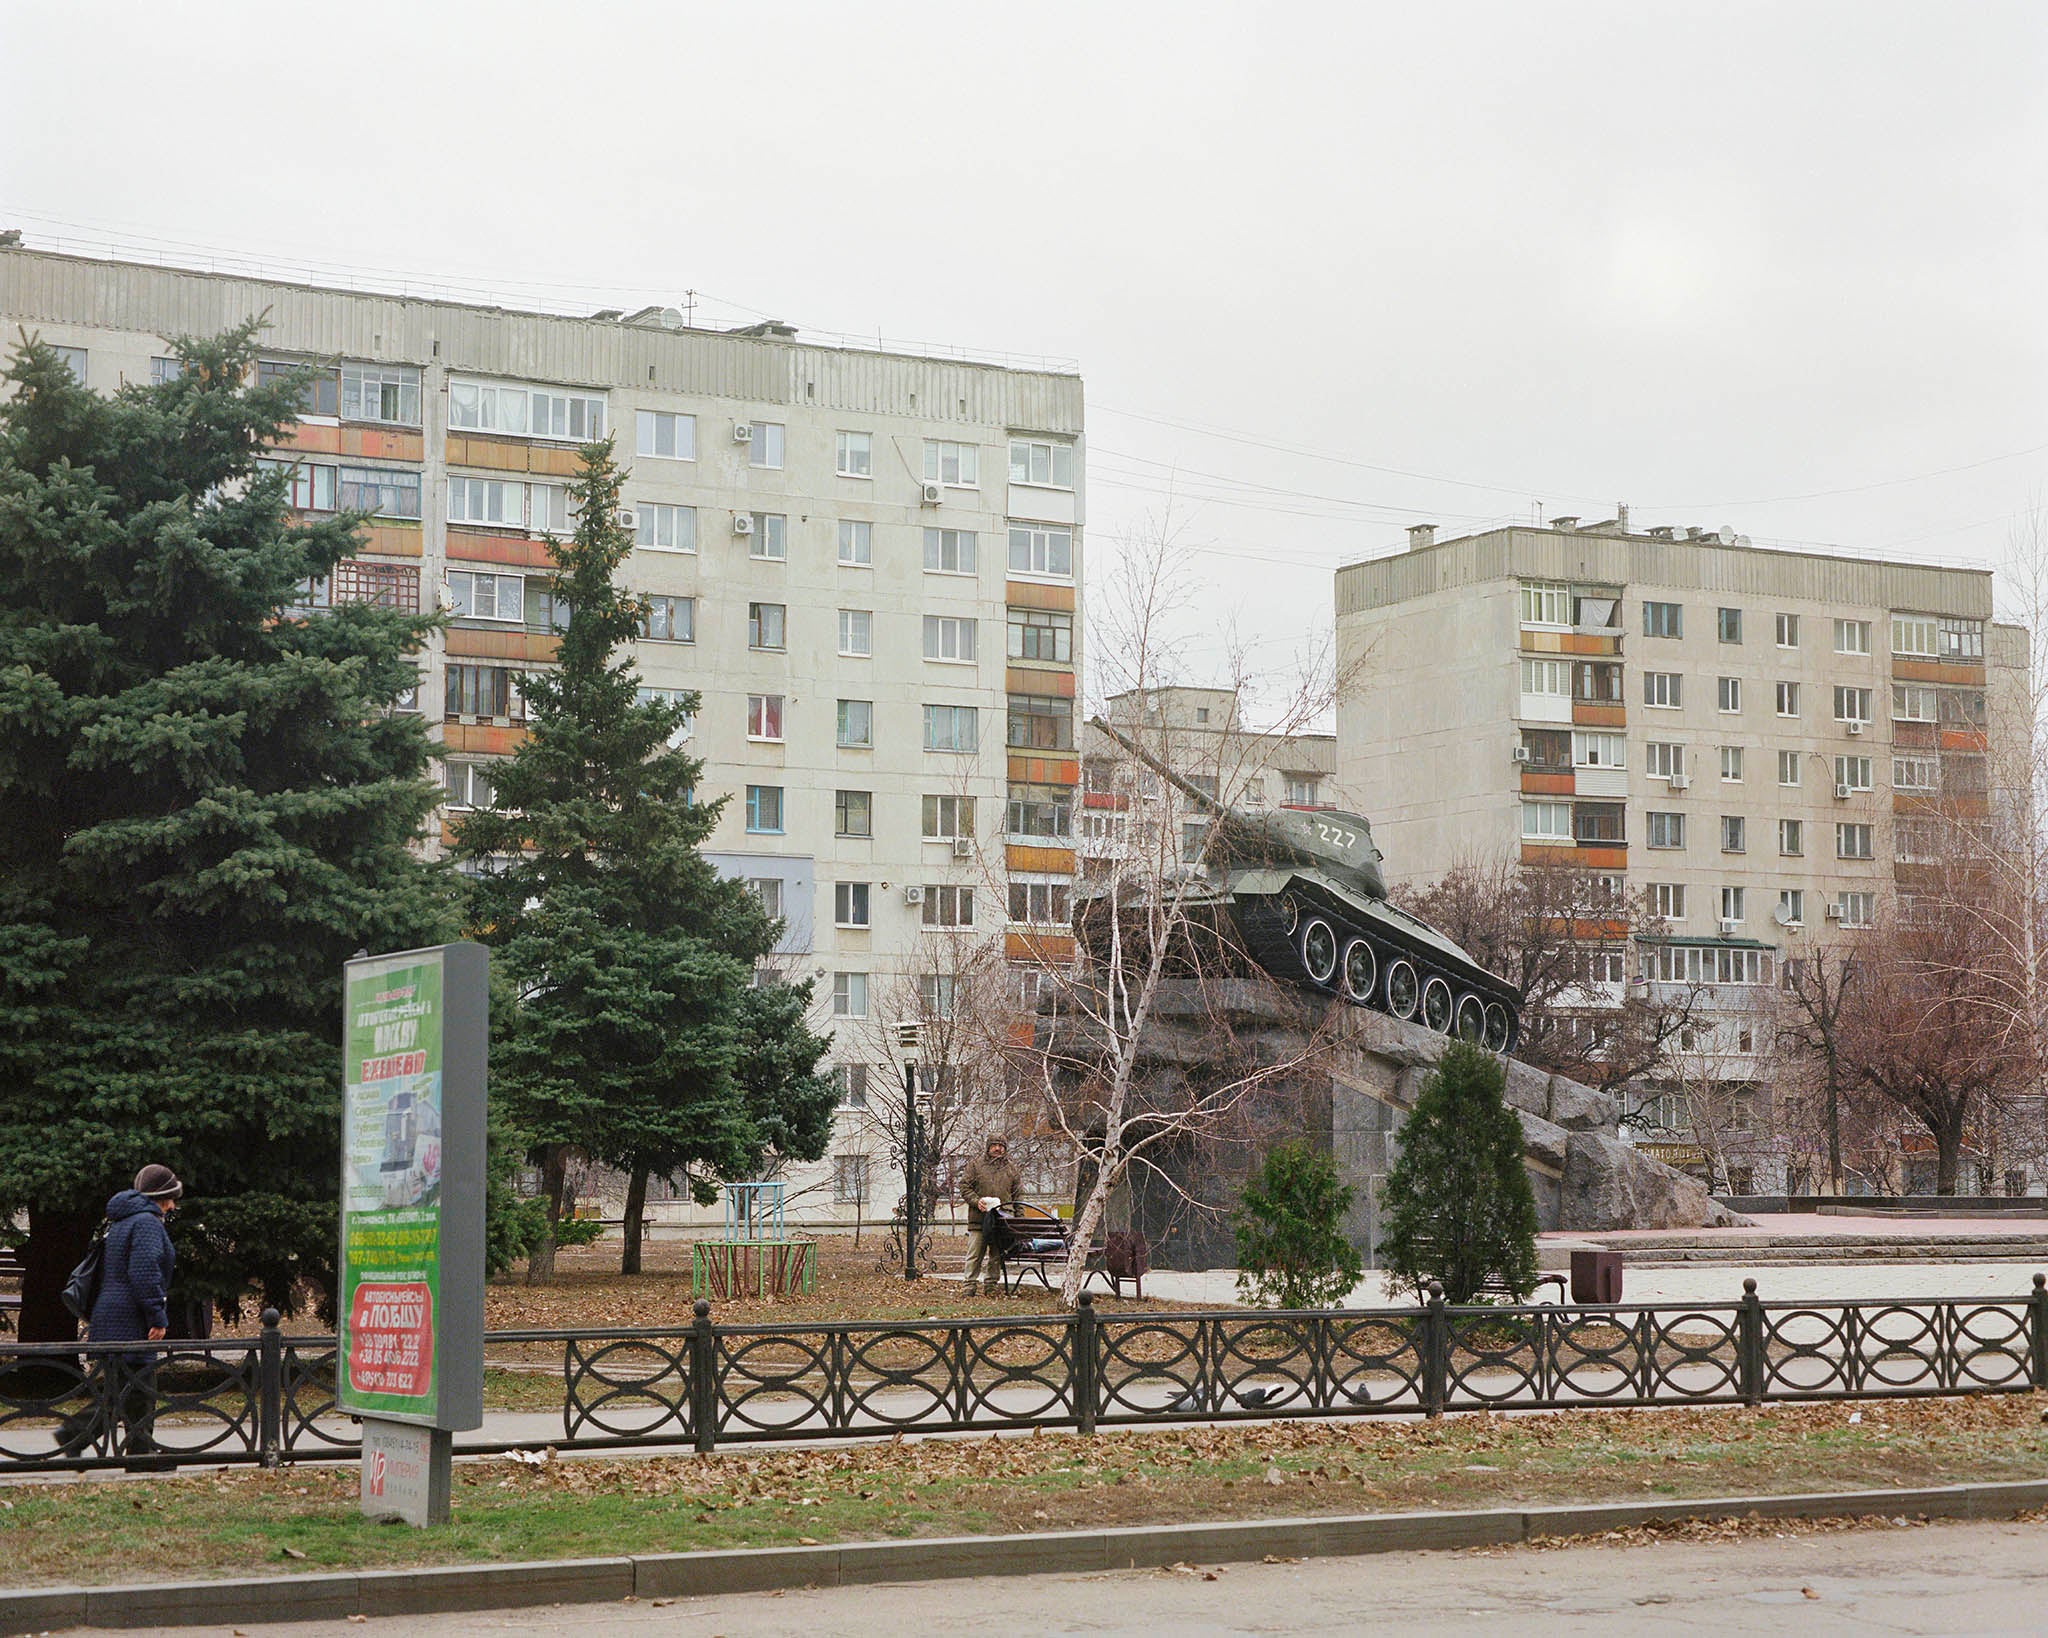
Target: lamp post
[(907, 1039)]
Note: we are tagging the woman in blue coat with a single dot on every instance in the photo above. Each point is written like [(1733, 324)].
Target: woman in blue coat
[(132, 1305)]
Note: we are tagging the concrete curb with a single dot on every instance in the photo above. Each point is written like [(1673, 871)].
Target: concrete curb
[(763, 1569)]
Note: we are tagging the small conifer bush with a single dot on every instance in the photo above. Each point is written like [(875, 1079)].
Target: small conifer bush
[(1291, 1249)]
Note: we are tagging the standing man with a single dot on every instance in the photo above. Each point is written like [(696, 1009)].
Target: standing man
[(986, 1184), (133, 1300)]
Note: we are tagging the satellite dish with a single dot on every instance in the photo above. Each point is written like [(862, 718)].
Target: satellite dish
[(1726, 534), (1782, 916)]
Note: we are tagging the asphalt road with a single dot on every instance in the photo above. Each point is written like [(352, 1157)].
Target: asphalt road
[(1948, 1578)]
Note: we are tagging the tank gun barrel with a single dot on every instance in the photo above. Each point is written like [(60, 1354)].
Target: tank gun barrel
[(1193, 792)]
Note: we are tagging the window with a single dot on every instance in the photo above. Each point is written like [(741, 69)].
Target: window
[(1734, 833), (1599, 822), (1852, 704), (853, 813), (1852, 636), (947, 905), (767, 891), (1788, 768), (1663, 759), (468, 785), (1728, 694), (1661, 688), (1549, 677), (1041, 634), (1040, 810), (1663, 620), (1705, 964), (849, 904), (1549, 748), (1855, 909), (850, 1172), (664, 436), (307, 488), (770, 539), (1791, 837), (1788, 699), (1962, 639), (1915, 841), (952, 727), (1852, 841), (1664, 830), (948, 638), (1599, 751), (163, 371), (1914, 773), (1596, 682), (1853, 771), (1914, 634), (487, 596), (381, 392), (949, 551), (856, 544), (1912, 702), (850, 996), (539, 508), (854, 455), (948, 818), (856, 725), (764, 445), (1301, 791), (384, 585), (1667, 901), (680, 734), (1960, 706), (1788, 631), (857, 632), (936, 993), (319, 391), (764, 809), (764, 716), (1045, 463), (1039, 903), (385, 492), (1546, 821), (670, 620), (1728, 625), (1040, 724), (482, 691), (852, 1082), (1731, 904), (1731, 764), (1037, 548), (765, 625), (1546, 605), (955, 465), (525, 411), (1791, 907)]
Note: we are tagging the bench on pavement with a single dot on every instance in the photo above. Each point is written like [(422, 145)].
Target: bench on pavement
[(1028, 1239), (14, 1270)]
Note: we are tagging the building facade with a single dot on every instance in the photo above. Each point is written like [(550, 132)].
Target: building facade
[(868, 564), (1748, 738)]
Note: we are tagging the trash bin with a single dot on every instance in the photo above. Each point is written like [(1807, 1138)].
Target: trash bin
[(1596, 1278)]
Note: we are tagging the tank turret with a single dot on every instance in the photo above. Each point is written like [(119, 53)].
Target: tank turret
[(1310, 901)]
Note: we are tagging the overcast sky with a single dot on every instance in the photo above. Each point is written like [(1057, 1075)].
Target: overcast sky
[(1326, 269)]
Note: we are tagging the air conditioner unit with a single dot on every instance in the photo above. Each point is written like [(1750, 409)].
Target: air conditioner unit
[(1522, 753), (1856, 727), (743, 523), (913, 894), (743, 432), (931, 494), (1833, 912), (1680, 781), (1728, 926), (963, 847), (628, 518)]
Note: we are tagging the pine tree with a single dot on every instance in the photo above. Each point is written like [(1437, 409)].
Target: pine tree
[(1291, 1248), (209, 804), (632, 956), (1457, 1204)]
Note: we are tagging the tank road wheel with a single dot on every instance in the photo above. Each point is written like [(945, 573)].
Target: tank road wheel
[(1404, 989), (1361, 972), (1471, 1018), (1319, 950), (1496, 1027), (1436, 1005), (1290, 913)]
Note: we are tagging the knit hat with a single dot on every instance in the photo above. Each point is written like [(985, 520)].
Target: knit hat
[(158, 1183)]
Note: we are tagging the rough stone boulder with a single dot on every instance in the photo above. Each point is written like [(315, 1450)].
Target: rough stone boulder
[(1610, 1185)]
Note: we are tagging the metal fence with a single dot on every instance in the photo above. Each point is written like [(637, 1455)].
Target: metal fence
[(270, 1399)]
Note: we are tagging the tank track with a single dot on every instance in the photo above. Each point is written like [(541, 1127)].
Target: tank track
[(1321, 941)]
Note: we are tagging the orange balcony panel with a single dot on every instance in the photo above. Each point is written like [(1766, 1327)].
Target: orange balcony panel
[(1547, 784), (517, 551), (466, 643), (1550, 853), (1053, 861), (1963, 739), (1038, 770), (492, 454), (1586, 714), (1934, 671), (1542, 642), (1913, 736), (1115, 801), (1017, 680), (312, 440), (382, 444), (481, 738), (1603, 856), (1027, 595), (391, 539), (554, 461), (1040, 947)]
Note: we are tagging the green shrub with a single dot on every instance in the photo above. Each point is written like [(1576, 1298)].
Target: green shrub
[(1457, 1206), (1291, 1249)]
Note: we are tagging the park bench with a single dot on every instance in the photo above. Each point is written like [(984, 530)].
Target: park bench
[(12, 1270), (1029, 1239)]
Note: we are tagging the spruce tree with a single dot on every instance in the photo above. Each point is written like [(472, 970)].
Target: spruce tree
[(1291, 1248), (632, 956), (209, 805), (1457, 1206)]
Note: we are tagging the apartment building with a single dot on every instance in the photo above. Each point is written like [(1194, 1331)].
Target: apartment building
[(1744, 735), (867, 563)]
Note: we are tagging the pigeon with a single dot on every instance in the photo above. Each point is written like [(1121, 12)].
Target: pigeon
[(1252, 1398), (1188, 1404)]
